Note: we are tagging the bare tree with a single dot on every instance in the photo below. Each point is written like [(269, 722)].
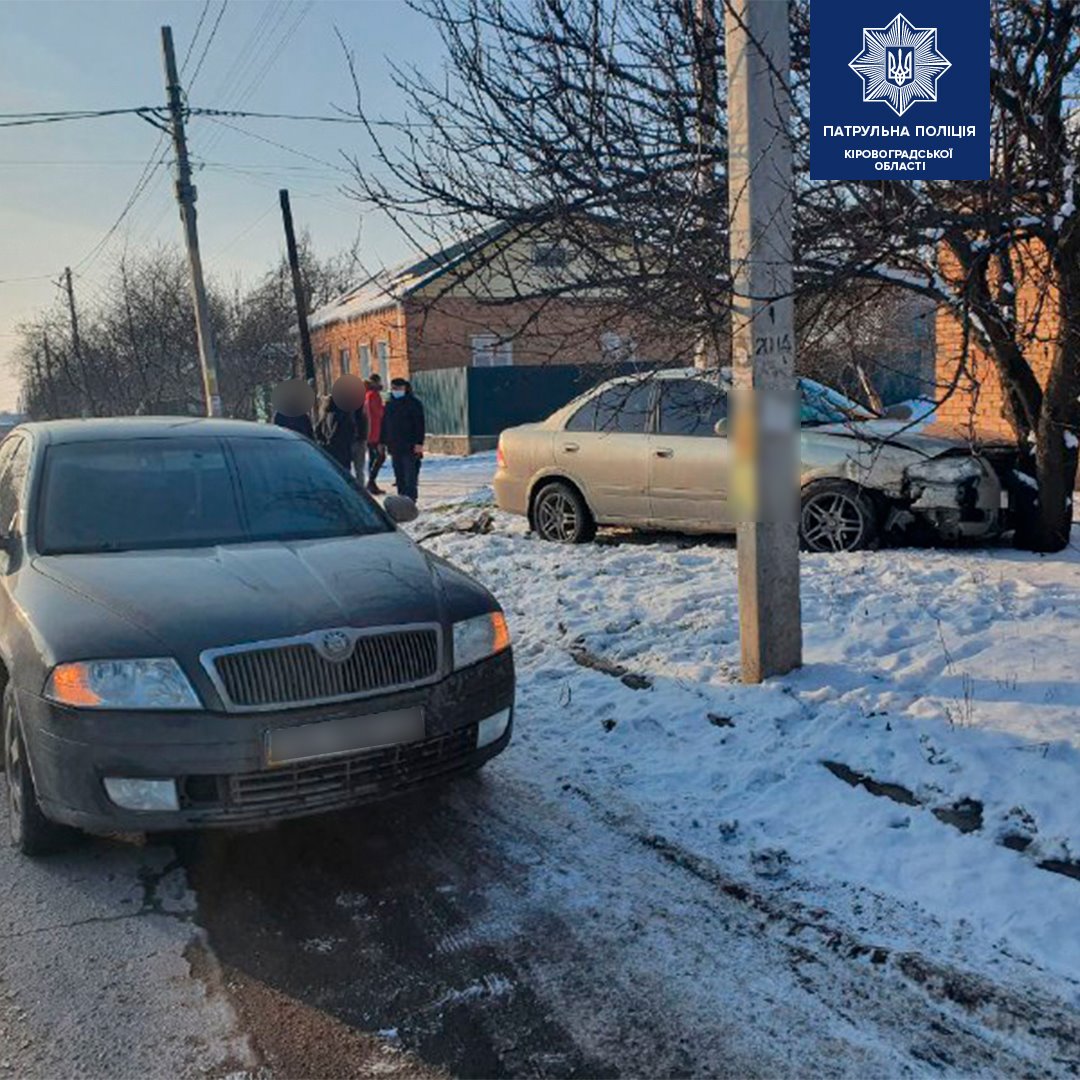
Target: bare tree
[(587, 128), (1001, 256), (138, 339)]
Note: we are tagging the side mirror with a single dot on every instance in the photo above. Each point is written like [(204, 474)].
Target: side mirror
[(401, 509), (720, 427)]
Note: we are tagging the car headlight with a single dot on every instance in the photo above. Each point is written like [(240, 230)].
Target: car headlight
[(122, 684), (480, 637), (945, 470)]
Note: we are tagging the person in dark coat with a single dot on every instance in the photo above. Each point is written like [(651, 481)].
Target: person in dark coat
[(292, 401), (301, 423), (403, 433), (334, 432)]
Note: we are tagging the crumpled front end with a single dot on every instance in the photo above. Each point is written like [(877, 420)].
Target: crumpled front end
[(959, 495)]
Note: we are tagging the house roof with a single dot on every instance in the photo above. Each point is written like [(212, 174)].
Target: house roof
[(392, 285)]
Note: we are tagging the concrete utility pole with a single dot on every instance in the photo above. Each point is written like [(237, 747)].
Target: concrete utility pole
[(298, 288), (766, 431), (706, 86), (185, 196), (76, 345)]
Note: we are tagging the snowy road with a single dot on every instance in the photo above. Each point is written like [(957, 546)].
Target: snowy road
[(498, 930), (659, 877)]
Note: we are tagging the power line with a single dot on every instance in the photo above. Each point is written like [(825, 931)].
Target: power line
[(28, 119), (206, 47), (195, 36), (279, 145)]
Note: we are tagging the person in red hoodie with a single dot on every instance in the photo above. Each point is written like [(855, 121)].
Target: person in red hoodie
[(373, 406)]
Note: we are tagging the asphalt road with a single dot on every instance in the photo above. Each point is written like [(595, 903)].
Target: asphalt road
[(493, 927), (96, 954)]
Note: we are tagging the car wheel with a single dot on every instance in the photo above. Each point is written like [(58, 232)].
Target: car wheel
[(560, 514), (30, 831), (837, 516)]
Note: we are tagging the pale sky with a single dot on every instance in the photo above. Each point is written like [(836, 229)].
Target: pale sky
[(65, 184)]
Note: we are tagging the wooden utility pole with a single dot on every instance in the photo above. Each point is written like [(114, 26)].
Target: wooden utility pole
[(766, 430), (298, 288), (76, 345), (185, 196)]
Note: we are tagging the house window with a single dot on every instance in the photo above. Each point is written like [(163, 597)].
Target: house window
[(363, 353), (614, 348), (382, 351), (344, 361), (490, 350), (549, 256), (324, 368)]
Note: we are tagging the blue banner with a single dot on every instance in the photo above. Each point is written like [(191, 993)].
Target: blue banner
[(900, 90)]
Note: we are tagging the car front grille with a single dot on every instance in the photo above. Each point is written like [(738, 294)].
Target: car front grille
[(314, 786), (296, 673)]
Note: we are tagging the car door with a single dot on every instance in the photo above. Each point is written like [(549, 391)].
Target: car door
[(14, 465), (604, 449), (688, 460)]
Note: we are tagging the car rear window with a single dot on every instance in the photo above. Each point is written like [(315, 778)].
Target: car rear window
[(137, 494)]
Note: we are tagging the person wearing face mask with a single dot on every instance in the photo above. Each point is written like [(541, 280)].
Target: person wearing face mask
[(403, 435)]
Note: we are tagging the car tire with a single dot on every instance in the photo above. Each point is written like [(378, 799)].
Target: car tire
[(561, 515), (837, 516), (29, 830)]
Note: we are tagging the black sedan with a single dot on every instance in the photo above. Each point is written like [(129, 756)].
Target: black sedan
[(204, 622)]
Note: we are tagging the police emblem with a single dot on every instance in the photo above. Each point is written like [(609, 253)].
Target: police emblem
[(900, 64)]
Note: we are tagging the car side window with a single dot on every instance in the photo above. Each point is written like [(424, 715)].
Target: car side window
[(622, 408), (690, 407), (13, 466)]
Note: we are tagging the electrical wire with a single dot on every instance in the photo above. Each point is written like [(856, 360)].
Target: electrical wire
[(206, 47), (28, 119), (195, 36)]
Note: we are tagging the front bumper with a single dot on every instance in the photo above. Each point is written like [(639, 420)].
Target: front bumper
[(969, 509), (218, 759)]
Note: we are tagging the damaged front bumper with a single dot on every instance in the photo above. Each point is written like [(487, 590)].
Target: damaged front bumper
[(958, 495)]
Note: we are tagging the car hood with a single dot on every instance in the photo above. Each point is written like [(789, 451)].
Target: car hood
[(898, 433), (195, 599)]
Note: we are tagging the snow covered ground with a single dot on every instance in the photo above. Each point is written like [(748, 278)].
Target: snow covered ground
[(940, 686)]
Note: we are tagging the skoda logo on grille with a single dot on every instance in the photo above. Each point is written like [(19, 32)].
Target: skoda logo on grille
[(335, 645)]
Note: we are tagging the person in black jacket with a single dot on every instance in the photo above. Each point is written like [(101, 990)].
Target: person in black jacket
[(334, 432), (403, 434), (301, 423), (292, 404)]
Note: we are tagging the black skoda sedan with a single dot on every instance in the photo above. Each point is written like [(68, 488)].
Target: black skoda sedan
[(204, 622)]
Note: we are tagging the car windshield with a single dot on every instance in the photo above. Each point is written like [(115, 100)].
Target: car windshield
[(139, 494), (819, 404)]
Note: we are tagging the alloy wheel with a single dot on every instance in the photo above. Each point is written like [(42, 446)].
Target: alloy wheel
[(557, 516), (833, 521)]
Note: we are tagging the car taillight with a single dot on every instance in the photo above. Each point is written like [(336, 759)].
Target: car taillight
[(500, 457)]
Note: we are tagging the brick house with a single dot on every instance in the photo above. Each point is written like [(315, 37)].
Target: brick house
[(977, 407), (477, 330)]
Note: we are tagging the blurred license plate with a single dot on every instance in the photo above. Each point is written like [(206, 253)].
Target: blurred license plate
[(329, 738)]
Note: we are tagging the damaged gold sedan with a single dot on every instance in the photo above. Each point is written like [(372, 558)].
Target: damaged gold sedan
[(653, 453)]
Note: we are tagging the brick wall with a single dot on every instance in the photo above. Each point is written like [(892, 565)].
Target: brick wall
[(978, 403), (440, 332), (385, 326)]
